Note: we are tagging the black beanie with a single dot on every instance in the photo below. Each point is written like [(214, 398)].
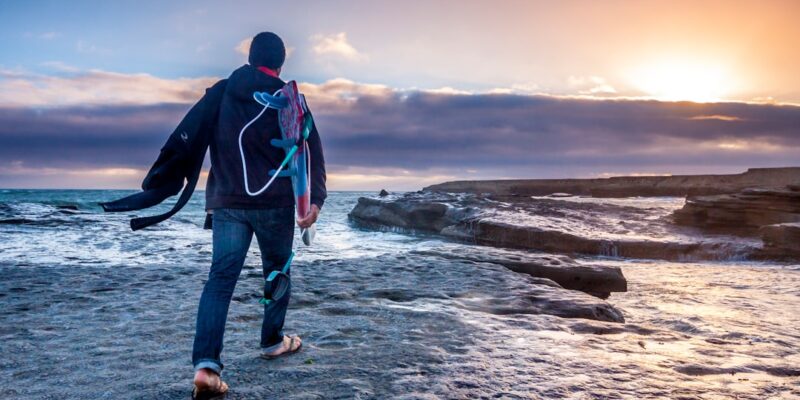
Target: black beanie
[(267, 50)]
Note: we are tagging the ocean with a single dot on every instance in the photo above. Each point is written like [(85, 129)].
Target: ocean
[(99, 311)]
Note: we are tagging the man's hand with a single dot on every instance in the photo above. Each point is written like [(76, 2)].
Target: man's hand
[(309, 219)]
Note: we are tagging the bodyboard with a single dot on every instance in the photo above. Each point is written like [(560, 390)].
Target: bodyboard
[(291, 120)]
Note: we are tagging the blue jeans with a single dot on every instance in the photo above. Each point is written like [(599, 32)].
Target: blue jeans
[(232, 233)]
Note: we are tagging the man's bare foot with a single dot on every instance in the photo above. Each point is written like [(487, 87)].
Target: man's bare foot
[(290, 345), (208, 383)]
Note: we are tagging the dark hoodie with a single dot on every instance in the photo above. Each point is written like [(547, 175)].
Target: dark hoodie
[(225, 187)]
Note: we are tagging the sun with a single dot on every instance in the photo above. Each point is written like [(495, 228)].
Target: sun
[(683, 81)]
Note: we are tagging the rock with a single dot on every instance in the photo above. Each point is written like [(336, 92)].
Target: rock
[(479, 286), (383, 193), (626, 186), (568, 273), (16, 221), (781, 241), (459, 218), (772, 214), (469, 218), (499, 234), (413, 213), (740, 213)]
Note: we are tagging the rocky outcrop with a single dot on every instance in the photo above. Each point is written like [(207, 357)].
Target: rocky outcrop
[(772, 214), (491, 233), (472, 219), (426, 213), (599, 281), (435, 214), (470, 284), (741, 213), (411, 213), (781, 241), (626, 186)]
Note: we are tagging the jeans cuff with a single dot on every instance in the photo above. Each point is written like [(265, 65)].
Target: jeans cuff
[(271, 348), (210, 364)]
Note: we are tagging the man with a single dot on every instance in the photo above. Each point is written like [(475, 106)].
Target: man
[(236, 216)]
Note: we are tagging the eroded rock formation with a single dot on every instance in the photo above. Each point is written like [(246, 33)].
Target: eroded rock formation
[(524, 223), (741, 213), (781, 241), (436, 214)]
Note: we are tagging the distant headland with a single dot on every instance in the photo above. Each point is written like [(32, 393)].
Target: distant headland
[(629, 186)]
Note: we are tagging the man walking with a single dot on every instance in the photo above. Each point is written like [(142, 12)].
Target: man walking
[(237, 216)]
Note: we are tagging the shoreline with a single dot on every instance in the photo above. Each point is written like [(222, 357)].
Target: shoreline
[(388, 315), (752, 215)]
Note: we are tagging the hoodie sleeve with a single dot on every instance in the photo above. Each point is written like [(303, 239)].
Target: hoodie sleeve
[(318, 177)]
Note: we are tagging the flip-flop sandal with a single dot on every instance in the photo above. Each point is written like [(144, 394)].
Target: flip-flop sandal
[(286, 353), (208, 394)]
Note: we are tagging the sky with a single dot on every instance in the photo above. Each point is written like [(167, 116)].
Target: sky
[(408, 94)]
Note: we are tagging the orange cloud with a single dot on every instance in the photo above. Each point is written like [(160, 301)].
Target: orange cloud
[(96, 87), (336, 45), (715, 117), (393, 179)]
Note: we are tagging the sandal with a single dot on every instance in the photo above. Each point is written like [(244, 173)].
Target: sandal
[(288, 352), (215, 389)]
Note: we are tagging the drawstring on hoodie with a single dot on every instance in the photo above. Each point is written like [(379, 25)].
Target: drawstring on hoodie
[(273, 74), (244, 163)]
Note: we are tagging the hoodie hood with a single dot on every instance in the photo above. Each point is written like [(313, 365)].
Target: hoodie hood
[(248, 79)]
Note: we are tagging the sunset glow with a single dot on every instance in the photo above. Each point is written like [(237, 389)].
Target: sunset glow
[(455, 199), (684, 81), (442, 90)]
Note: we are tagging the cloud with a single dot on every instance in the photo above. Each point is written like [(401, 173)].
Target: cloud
[(49, 35), (729, 118), (336, 45), (590, 85), (244, 46), (87, 136), (517, 88), (17, 174), (337, 95), (491, 132), (17, 167), (344, 178), (446, 90), (43, 35), (60, 66), (84, 47), (95, 87), (373, 133)]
